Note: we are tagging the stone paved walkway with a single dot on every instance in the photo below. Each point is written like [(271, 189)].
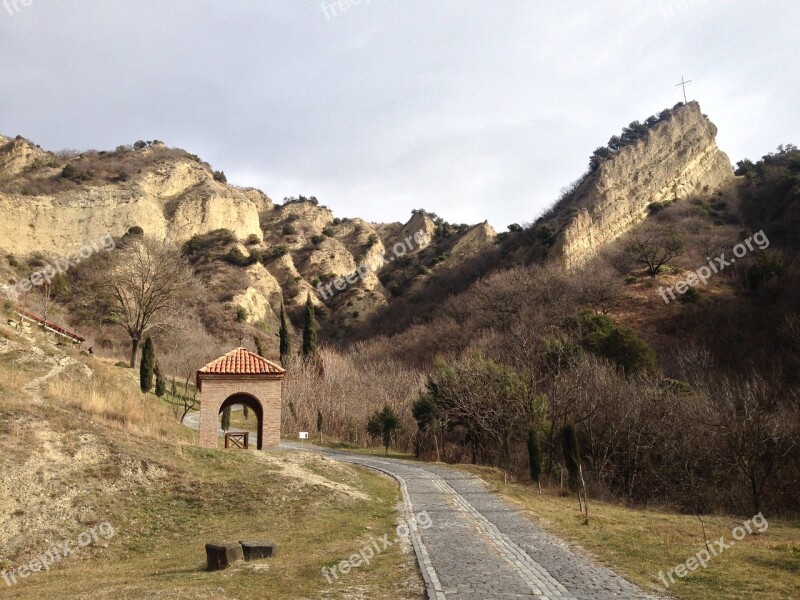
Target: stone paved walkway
[(479, 547)]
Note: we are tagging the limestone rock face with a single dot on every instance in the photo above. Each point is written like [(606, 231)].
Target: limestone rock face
[(419, 222), (296, 289), (679, 158), (475, 239), (17, 155), (315, 217), (176, 198), (263, 281), (330, 256), (256, 305)]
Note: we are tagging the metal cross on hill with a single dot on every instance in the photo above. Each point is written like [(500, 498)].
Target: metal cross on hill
[(683, 84)]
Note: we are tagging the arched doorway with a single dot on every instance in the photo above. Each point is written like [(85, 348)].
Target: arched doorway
[(254, 405)]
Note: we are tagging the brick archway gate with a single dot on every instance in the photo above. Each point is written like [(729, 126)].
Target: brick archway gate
[(241, 377)]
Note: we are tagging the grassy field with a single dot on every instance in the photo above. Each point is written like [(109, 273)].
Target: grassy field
[(641, 543), (79, 451), (158, 547)]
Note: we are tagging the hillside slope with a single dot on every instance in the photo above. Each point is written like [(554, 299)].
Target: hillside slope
[(83, 450)]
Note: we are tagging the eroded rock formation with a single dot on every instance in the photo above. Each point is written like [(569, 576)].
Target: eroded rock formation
[(677, 159)]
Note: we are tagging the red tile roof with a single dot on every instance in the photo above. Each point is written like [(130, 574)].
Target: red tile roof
[(241, 362)]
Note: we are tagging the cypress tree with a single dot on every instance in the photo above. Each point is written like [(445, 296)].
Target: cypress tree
[(319, 425), (286, 342), (259, 347), (309, 331), (226, 418), (572, 455), (161, 385), (146, 366), (535, 458)]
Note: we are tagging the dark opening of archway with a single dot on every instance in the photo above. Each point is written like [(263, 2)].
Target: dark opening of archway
[(253, 404)]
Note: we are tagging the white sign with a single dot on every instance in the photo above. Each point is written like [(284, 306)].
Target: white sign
[(303, 435)]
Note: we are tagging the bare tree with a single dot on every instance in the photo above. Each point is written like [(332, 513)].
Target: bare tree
[(598, 287), (755, 434), (46, 298), (146, 287), (655, 248), (187, 348)]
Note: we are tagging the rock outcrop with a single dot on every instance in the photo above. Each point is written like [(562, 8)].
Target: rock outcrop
[(17, 155), (677, 159), (175, 197), (474, 240)]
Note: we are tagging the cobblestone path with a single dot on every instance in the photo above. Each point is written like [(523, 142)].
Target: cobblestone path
[(479, 547)]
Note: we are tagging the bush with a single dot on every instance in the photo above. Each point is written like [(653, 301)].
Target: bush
[(545, 233), (220, 176), (691, 295), (71, 173), (241, 314), (252, 239), (206, 241), (235, 257), (146, 366), (279, 251), (289, 229), (655, 207), (768, 265), (372, 239), (617, 343), (317, 239), (327, 231), (139, 145)]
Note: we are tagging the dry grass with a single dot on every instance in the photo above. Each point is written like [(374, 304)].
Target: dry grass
[(12, 380), (115, 402)]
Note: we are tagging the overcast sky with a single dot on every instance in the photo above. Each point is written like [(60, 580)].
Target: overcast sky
[(473, 110)]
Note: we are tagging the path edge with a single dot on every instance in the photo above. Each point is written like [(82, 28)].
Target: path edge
[(433, 586)]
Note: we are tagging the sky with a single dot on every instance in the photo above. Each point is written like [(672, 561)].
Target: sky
[(475, 110)]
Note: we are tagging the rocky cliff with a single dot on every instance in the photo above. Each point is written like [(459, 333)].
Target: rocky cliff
[(54, 202), (677, 158)]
